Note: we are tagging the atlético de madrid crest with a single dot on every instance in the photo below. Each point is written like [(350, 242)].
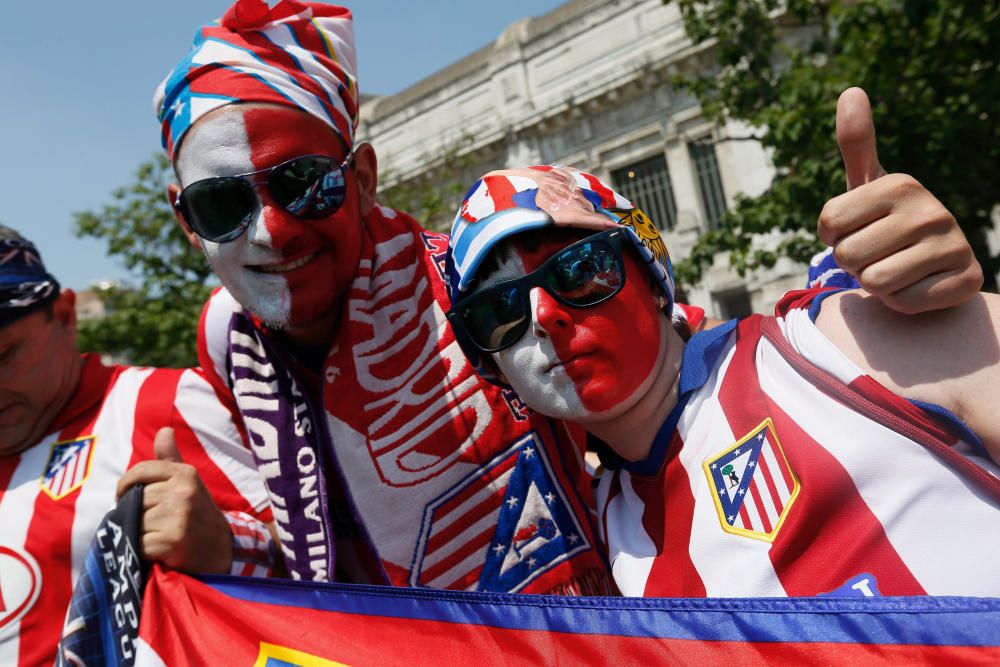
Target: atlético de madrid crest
[(753, 485), (68, 466)]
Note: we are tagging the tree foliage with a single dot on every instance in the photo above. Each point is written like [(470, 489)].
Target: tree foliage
[(931, 69), (154, 321)]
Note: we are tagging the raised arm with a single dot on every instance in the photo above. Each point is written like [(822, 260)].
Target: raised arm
[(950, 358), (890, 232)]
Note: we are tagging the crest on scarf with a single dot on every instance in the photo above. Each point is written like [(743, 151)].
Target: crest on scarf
[(752, 484), (68, 466), (514, 511)]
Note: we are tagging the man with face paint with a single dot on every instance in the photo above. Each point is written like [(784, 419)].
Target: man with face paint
[(770, 456), (71, 429), (386, 458)]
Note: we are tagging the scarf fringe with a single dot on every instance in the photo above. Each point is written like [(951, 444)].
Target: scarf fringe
[(596, 582)]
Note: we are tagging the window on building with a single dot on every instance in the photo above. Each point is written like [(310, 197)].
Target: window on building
[(734, 304), (647, 185), (713, 199)]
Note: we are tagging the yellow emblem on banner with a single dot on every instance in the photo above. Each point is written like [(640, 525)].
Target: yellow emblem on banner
[(272, 655)]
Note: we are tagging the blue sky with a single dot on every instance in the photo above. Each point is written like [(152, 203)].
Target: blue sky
[(77, 78)]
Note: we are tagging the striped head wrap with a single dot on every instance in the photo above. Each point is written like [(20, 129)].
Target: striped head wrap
[(25, 285), (297, 54), (515, 201)]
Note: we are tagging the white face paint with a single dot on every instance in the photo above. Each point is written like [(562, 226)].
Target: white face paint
[(531, 365), (588, 365), (218, 146)]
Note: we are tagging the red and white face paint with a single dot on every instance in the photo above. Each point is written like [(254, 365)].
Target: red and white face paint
[(583, 364), (287, 271)]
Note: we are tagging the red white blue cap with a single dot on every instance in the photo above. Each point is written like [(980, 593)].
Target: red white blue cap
[(513, 201)]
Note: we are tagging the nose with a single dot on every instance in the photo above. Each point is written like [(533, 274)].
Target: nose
[(273, 226), (549, 318)]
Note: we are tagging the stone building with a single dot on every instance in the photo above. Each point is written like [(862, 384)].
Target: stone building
[(587, 85)]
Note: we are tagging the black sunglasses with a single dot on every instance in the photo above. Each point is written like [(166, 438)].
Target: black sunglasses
[(583, 274), (220, 209)]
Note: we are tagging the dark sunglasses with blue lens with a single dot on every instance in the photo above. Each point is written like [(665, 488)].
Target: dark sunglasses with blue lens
[(583, 274), (221, 208)]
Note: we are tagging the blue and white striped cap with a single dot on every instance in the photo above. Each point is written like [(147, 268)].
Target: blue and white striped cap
[(514, 201)]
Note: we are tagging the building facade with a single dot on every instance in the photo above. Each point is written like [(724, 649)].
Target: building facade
[(588, 85)]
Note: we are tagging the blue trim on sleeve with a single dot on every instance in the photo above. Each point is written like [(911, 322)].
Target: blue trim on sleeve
[(916, 620), (817, 302), (700, 357), (954, 422)]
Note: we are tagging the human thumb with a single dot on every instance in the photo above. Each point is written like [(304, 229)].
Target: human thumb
[(856, 138), (165, 446)]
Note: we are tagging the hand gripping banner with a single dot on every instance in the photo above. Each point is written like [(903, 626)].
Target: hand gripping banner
[(269, 622)]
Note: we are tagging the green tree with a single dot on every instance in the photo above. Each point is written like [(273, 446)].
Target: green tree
[(154, 321), (931, 69)]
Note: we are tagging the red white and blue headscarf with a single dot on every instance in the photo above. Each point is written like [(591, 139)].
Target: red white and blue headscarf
[(24, 283), (297, 54)]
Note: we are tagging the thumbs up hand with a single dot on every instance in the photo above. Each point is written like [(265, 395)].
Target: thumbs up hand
[(887, 230), (181, 525)]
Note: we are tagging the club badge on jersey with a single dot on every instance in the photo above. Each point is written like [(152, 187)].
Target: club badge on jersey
[(753, 485), (68, 466)]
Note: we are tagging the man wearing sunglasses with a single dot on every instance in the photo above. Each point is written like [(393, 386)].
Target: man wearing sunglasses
[(70, 428), (766, 457), (386, 458)]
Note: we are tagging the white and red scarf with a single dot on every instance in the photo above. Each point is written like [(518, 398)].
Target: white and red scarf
[(450, 481)]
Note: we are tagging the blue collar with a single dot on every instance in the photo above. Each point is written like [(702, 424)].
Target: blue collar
[(700, 356)]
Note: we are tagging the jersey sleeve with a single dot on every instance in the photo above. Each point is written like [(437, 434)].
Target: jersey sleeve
[(825, 272), (208, 438)]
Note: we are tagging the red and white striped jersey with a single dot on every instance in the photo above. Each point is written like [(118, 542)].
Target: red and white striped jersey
[(54, 494), (787, 471)]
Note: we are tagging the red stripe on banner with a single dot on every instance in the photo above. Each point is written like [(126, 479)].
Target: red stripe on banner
[(673, 573), (759, 504), (829, 535), (188, 623)]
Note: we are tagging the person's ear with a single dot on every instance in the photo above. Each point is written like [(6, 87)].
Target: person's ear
[(173, 195), (64, 310), (366, 169)]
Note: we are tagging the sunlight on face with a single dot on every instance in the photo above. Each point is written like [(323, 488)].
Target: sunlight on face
[(588, 363), (285, 270)]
